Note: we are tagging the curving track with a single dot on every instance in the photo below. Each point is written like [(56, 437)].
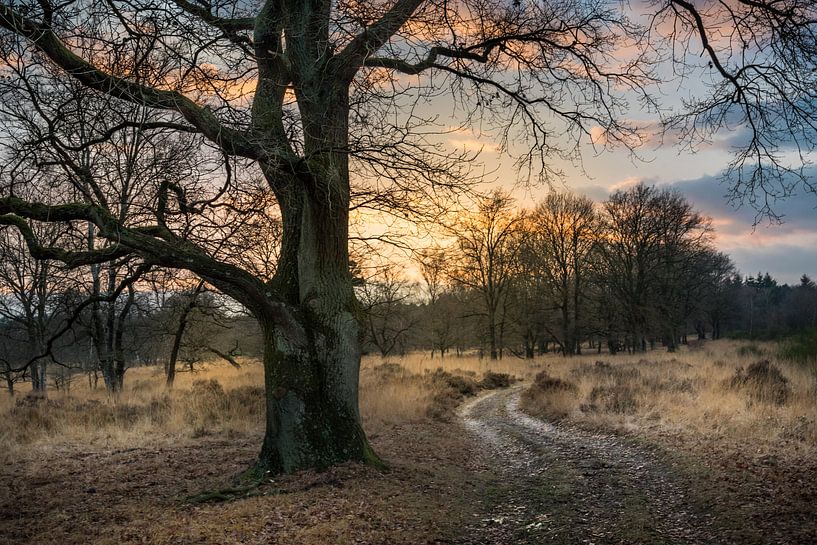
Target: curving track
[(563, 485)]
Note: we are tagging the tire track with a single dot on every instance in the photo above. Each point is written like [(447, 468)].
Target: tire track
[(556, 484)]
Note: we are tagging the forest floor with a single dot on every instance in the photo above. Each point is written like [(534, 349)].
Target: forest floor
[(493, 476), (140, 496)]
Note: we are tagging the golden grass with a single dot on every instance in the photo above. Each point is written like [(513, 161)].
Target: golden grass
[(144, 412), (216, 399), (689, 393), (685, 393)]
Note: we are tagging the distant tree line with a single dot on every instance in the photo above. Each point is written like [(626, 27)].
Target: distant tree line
[(636, 272), (54, 329)]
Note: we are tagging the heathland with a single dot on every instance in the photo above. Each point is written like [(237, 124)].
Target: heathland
[(731, 423)]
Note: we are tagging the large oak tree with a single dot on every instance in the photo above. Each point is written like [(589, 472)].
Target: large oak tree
[(306, 92)]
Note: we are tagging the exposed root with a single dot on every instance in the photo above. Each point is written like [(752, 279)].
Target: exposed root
[(247, 484)]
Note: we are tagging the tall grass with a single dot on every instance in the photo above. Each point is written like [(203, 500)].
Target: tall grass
[(697, 392), (801, 349), (724, 391), (215, 400)]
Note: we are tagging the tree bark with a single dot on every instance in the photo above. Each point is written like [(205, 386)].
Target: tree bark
[(312, 357), (312, 397), (170, 369)]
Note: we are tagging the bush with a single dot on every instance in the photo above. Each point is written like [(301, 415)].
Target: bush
[(763, 382), (451, 390), (388, 371), (249, 400), (492, 381), (602, 369), (800, 348), (550, 397), (750, 350), (620, 398), (204, 405), (458, 384), (670, 383), (547, 383)]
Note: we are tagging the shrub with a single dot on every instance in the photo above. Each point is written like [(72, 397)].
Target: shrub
[(246, 400), (602, 369), (458, 384), (620, 398), (750, 350), (388, 370), (670, 383), (451, 390), (800, 348), (763, 382), (546, 383), (492, 381), (550, 397), (204, 405)]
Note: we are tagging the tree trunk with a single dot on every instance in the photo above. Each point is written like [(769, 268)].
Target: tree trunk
[(170, 369), (312, 348), (567, 338), (35, 378), (107, 366), (39, 369), (118, 346), (492, 338), (312, 398), (42, 364)]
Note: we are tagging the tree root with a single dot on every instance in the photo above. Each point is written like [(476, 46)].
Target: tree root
[(248, 490)]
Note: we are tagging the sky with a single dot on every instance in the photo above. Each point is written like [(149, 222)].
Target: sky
[(786, 249)]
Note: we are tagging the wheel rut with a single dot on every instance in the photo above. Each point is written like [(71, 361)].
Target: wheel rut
[(557, 484)]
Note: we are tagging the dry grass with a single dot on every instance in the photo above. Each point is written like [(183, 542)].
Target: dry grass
[(696, 392), (83, 457), (215, 400), (723, 391), (131, 459)]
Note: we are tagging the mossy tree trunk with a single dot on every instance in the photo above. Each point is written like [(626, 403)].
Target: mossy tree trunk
[(311, 359), (307, 311)]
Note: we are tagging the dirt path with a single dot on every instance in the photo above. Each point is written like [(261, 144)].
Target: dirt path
[(563, 485)]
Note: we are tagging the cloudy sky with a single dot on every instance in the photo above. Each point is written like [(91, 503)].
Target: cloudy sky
[(786, 250)]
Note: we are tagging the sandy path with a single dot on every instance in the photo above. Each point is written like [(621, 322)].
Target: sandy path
[(563, 485)]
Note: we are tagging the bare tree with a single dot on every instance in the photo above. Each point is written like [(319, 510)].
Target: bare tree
[(714, 293), (187, 306), (298, 91), (650, 236), (487, 245), (8, 367), (441, 319), (30, 304), (757, 61), (384, 300), (562, 231)]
